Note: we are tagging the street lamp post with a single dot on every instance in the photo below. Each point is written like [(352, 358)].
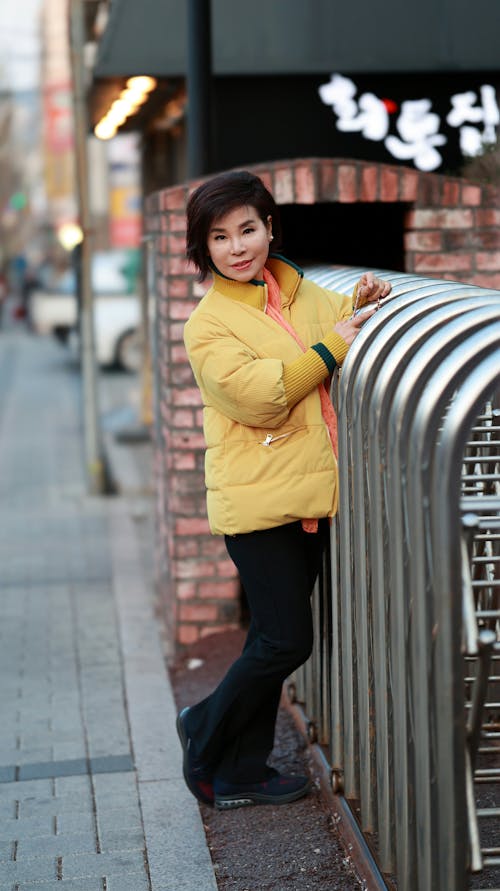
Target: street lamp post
[(199, 84), (92, 434)]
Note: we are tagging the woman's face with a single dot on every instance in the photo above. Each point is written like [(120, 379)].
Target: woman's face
[(238, 244)]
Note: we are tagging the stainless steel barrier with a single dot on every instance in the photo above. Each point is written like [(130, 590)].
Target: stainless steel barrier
[(403, 687)]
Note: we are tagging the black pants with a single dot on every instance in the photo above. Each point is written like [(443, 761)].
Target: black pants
[(232, 730)]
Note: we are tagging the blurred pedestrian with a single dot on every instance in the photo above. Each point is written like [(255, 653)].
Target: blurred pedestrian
[(262, 343), (3, 294)]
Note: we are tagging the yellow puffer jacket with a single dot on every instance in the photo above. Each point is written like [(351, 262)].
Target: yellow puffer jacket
[(265, 464)]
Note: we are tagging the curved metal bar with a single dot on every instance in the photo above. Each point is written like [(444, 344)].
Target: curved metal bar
[(377, 639), (453, 365)]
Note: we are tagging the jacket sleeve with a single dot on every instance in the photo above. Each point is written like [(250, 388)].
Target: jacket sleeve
[(232, 379), (342, 305)]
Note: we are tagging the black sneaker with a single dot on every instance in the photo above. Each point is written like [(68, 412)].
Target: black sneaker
[(279, 789), (197, 777)]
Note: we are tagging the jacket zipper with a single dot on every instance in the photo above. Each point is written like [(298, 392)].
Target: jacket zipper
[(270, 438)]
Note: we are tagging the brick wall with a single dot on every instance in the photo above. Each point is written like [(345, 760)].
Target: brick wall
[(452, 230)]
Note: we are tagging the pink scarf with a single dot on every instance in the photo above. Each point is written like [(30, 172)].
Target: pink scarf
[(273, 310)]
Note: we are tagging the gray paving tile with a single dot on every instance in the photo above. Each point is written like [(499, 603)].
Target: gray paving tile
[(12, 830), (39, 869), (85, 865), (75, 823), (28, 789), (56, 846), (77, 885), (35, 771), (70, 804), (137, 882)]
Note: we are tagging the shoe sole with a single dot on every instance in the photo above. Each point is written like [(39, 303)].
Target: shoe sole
[(184, 743), (227, 802)]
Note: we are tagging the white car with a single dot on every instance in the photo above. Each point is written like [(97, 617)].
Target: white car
[(116, 330), (54, 310)]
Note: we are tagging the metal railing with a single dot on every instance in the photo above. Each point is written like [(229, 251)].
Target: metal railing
[(403, 686)]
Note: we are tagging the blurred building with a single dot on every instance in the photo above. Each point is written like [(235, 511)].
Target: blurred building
[(58, 138)]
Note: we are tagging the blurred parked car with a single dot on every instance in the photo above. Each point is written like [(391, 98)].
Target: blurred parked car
[(54, 308)]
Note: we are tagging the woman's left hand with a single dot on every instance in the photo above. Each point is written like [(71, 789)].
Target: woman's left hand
[(370, 289)]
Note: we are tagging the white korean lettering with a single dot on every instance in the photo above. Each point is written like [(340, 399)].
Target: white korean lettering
[(465, 112), (418, 128)]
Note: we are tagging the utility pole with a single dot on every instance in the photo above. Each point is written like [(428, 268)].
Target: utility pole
[(199, 85), (92, 433)]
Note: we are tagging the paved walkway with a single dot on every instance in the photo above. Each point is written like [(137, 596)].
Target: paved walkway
[(91, 794)]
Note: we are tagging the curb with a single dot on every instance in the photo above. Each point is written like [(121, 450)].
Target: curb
[(179, 859)]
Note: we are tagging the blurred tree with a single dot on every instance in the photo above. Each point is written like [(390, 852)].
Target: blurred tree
[(484, 168)]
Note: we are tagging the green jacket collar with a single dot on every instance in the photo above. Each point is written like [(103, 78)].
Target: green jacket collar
[(254, 293)]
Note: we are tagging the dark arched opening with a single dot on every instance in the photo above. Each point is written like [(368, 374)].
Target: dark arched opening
[(358, 234)]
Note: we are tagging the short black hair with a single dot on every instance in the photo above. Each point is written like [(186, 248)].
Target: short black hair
[(219, 196)]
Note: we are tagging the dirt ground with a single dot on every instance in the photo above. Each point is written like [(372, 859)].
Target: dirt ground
[(293, 847)]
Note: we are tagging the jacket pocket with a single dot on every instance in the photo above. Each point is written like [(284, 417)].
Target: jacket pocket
[(271, 438)]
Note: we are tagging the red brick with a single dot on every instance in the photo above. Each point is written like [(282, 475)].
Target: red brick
[(430, 190), (176, 244), (176, 331), (439, 219), (220, 590), (450, 194), (471, 195), (327, 181), (180, 266), (266, 177), (456, 239), (192, 569), (189, 396), (187, 634), (283, 186), (185, 547), (227, 626), (180, 309), (194, 612), (177, 222), (347, 182), (175, 198), (178, 353), (183, 461), (408, 186), (181, 417), (485, 280), (196, 183), (369, 184), (389, 184), (488, 217), (187, 441), (178, 287), (487, 238), (182, 376), (191, 526), (488, 260), (186, 590), (442, 262), (225, 568), (423, 241), (305, 184), (214, 547)]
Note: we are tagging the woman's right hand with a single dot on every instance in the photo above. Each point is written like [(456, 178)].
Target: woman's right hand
[(349, 329)]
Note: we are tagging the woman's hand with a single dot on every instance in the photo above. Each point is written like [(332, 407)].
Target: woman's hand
[(371, 289), (349, 329)]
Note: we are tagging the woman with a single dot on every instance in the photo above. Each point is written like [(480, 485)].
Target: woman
[(262, 344)]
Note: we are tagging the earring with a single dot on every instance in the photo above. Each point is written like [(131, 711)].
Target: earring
[(271, 237)]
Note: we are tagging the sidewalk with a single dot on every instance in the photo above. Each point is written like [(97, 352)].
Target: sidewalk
[(91, 793)]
